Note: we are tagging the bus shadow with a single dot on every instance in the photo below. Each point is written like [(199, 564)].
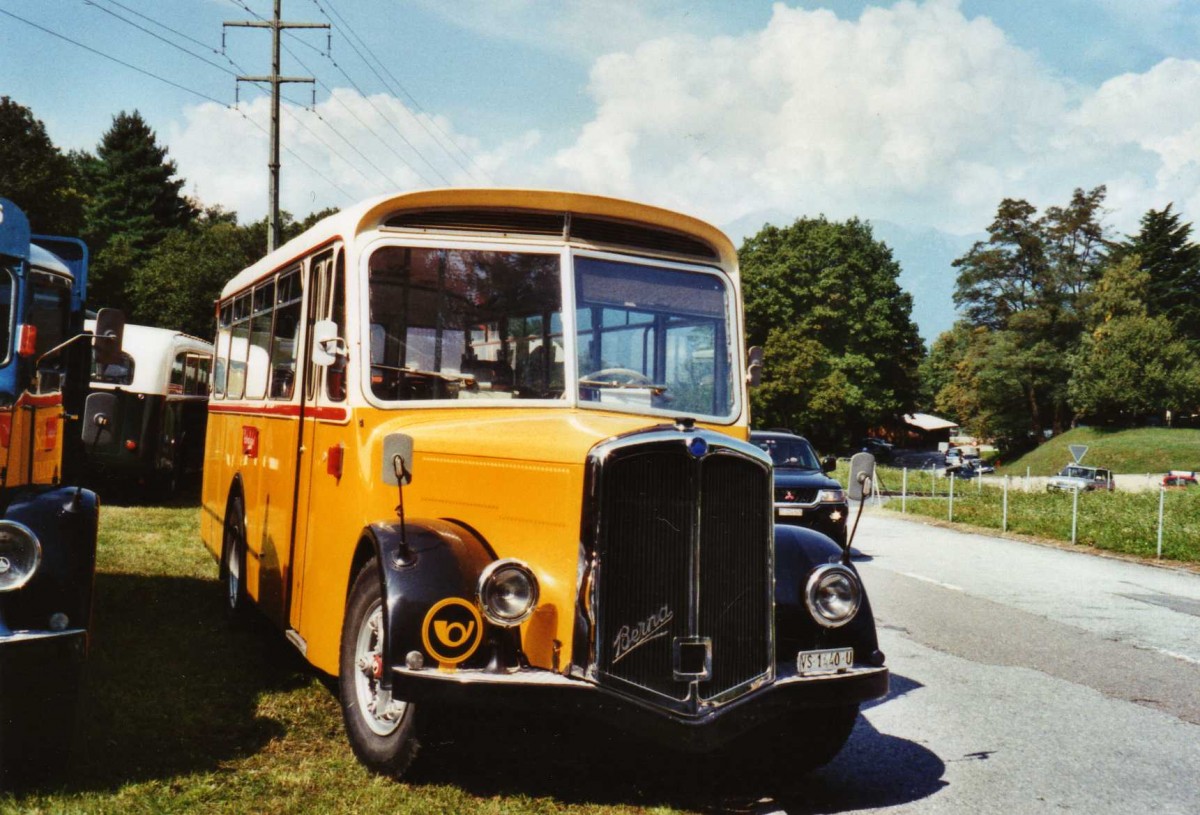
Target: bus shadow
[(579, 762), (171, 687)]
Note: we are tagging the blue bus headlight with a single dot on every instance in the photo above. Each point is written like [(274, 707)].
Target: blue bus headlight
[(833, 595), (20, 555), (508, 592)]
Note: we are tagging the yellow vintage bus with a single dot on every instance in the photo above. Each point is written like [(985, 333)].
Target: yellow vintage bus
[(488, 448)]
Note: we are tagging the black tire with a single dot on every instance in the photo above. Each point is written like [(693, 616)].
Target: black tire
[(387, 743), (233, 561)]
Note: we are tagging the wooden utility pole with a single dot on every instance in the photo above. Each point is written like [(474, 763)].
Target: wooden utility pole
[(274, 226)]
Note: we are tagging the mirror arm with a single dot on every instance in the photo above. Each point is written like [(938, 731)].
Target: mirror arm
[(58, 349)]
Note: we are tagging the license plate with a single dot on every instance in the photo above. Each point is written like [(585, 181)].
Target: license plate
[(792, 511), (833, 660)]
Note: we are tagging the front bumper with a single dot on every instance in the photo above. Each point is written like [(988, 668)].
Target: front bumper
[(545, 691), (33, 663)]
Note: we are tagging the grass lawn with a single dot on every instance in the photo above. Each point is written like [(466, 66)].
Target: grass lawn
[(182, 713), (1124, 522), (1144, 450)]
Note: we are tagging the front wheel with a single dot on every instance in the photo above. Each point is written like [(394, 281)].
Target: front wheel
[(382, 730), (233, 560)]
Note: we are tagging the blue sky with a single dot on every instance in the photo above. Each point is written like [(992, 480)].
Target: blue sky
[(922, 113)]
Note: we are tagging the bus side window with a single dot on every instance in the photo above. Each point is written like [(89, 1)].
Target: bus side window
[(178, 376), (287, 329), (239, 347), (221, 351), (335, 374), (257, 366)]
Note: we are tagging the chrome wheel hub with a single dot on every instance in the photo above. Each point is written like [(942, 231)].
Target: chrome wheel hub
[(380, 711)]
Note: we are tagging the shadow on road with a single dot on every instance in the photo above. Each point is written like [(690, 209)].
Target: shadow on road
[(578, 763)]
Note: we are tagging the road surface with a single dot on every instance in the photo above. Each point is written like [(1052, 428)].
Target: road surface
[(1025, 679)]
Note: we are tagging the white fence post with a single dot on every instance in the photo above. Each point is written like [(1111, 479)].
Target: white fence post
[(1162, 494), (951, 518), (1004, 508), (904, 492), (1026, 479), (1074, 513)]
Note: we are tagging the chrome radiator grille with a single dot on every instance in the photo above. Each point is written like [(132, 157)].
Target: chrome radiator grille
[(683, 568)]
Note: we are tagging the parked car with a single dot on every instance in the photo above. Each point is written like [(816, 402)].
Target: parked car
[(804, 494), (882, 450), (1180, 479), (1078, 477)]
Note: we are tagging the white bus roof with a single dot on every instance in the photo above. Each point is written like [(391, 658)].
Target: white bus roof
[(153, 350), (371, 213)]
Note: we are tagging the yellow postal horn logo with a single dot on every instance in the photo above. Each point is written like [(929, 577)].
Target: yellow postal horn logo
[(452, 630)]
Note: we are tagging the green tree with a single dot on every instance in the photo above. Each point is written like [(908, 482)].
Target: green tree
[(135, 201), (1026, 283), (1172, 261), (1131, 365), (180, 280), (841, 350), (36, 175)]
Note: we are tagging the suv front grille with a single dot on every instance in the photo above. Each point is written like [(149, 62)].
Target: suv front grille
[(795, 495)]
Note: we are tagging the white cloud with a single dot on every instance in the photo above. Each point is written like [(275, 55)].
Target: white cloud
[(348, 148), (914, 112)]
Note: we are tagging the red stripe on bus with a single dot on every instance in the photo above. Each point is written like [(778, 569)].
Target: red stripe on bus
[(335, 414)]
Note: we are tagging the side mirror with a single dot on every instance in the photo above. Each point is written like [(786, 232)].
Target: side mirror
[(828, 464), (754, 366), (862, 470), (109, 334), (327, 346), (98, 413), (397, 459)]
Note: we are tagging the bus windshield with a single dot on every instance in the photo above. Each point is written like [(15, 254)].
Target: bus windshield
[(653, 338), (465, 323)]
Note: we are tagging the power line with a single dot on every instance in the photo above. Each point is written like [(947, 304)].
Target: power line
[(402, 89), (364, 125), (111, 58), (173, 84), (389, 122), (276, 26), (159, 37)]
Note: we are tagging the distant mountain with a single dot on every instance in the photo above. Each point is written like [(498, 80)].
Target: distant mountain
[(925, 255)]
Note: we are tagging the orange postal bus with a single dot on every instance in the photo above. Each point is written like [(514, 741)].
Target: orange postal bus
[(488, 448)]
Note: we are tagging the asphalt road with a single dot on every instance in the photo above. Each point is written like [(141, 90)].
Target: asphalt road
[(1025, 679)]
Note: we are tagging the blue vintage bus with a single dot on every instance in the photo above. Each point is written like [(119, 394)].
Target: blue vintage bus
[(47, 528)]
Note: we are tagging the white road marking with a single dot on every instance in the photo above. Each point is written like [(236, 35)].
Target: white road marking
[(924, 579)]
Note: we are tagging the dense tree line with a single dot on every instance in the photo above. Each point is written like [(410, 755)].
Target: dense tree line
[(841, 352), (1062, 324), (155, 253)]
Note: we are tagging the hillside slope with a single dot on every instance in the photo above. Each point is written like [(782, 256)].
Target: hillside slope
[(1144, 450)]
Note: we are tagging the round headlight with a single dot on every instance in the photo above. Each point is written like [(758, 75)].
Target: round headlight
[(20, 555), (834, 595), (508, 592)]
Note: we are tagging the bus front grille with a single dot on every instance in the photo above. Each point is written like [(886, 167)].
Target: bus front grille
[(684, 573)]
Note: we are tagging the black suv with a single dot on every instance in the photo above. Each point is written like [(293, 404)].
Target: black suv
[(804, 494)]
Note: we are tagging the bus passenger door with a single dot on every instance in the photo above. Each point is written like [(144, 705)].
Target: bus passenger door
[(324, 430)]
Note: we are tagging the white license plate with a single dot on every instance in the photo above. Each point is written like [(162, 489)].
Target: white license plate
[(833, 660), (792, 511)]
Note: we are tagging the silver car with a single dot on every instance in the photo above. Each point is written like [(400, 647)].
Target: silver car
[(1078, 477)]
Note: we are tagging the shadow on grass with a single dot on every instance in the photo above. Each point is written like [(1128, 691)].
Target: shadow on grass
[(579, 762), (171, 687)]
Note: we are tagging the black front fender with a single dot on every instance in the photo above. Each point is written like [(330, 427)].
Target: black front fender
[(64, 521), (798, 551), (422, 564)]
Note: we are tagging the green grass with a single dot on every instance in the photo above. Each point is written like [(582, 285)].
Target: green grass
[(1144, 450), (183, 713), (1124, 522)]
